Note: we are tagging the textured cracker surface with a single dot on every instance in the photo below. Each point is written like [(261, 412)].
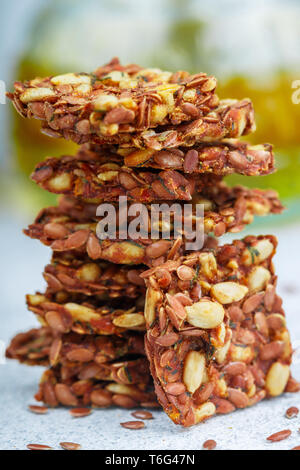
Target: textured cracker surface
[(22, 264)]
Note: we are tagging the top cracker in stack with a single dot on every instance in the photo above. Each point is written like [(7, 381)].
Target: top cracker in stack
[(151, 136), (150, 117), (216, 334)]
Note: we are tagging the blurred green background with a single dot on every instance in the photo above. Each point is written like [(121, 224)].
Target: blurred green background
[(253, 47)]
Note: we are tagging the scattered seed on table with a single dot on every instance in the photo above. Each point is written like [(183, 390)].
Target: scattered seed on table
[(296, 448), (133, 425), (38, 447), (292, 412), (39, 410), (70, 445), (80, 412), (279, 436), (210, 444), (141, 414)]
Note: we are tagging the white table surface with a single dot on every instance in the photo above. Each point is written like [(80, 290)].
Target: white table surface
[(22, 263)]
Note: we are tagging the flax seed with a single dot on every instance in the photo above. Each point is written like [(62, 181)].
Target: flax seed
[(142, 414), (210, 444), (39, 410), (80, 412), (70, 445), (279, 436), (292, 412), (38, 447), (133, 425)]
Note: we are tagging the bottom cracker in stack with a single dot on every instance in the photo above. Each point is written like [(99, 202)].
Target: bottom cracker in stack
[(86, 369), (55, 391), (216, 332)]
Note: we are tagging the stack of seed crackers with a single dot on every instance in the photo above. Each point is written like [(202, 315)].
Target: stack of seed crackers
[(145, 317)]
